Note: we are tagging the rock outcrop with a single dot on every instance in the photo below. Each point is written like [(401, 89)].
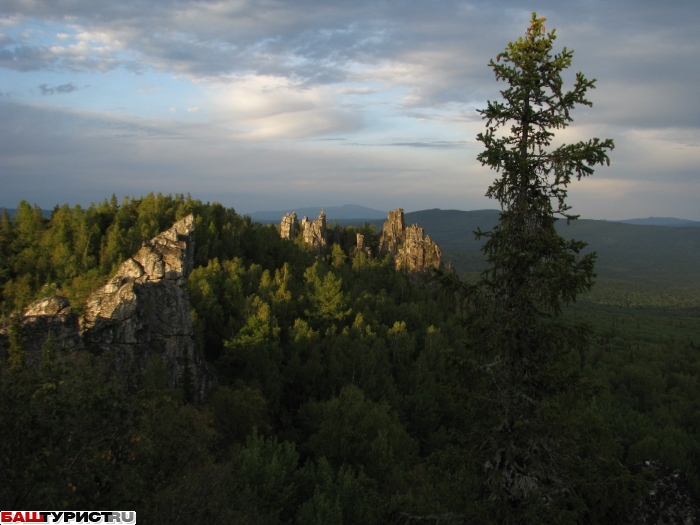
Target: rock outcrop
[(143, 312), (392, 232), (413, 251), (49, 315), (670, 500), (360, 246), (315, 233), (418, 253), (288, 226)]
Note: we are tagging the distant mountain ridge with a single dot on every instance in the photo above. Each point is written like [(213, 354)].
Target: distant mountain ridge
[(662, 221), (345, 212), (13, 211)]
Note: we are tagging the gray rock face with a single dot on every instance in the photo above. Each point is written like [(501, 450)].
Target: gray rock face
[(670, 500), (141, 313), (315, 233), (288, 226), (413, 251), (392, 232), (49, 315), (144, 311), (417, 253)]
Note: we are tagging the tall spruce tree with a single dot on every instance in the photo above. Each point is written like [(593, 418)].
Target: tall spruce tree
[(526, 352)]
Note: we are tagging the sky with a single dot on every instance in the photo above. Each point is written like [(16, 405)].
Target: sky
[(267, 105)]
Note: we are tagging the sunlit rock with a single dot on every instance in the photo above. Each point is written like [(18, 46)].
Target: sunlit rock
[(413, 251), (144, 311)]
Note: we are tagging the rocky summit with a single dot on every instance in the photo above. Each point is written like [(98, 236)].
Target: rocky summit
[(413, 251), (143, 312), (314, 232)]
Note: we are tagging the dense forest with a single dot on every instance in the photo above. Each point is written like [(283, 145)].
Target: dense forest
[(345, 392)]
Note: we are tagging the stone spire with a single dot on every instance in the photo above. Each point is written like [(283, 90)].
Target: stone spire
[(314, 232), (412, 249), (288, 226)]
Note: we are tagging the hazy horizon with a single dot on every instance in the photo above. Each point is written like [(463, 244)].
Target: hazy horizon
[(47, 210)]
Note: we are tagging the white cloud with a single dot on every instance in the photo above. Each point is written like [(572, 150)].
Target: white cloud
[(264, 107)]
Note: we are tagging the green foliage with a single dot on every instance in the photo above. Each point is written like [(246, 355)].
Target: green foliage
[(527, 383), (346, 392), (65, 428), (16, 351), (355, 431), (237, 412)]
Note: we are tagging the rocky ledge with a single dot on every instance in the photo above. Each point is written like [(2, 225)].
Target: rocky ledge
[(142, 312)]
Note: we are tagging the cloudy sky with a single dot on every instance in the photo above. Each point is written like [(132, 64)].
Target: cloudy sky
[(279, 104)]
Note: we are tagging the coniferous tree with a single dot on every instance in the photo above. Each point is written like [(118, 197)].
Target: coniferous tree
[(16, 350), (524, 349)]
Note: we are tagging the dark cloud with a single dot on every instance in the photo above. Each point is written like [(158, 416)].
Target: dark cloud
[(26, 58), (53, 90), (315, 42)]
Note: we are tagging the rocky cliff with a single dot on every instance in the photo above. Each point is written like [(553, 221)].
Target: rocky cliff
[(413, 251), (315, 233), (143, 312)]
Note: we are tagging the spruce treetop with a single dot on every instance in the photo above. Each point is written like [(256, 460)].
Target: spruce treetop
[(531, 264), (534, 105)]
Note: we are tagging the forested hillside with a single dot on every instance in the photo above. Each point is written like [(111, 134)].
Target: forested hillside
[(345, 391), (636, 265)]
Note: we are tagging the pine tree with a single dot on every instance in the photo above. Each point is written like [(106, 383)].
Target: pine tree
[(525, 351)]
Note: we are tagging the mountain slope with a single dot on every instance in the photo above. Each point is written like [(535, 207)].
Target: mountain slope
[(662, 221)]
